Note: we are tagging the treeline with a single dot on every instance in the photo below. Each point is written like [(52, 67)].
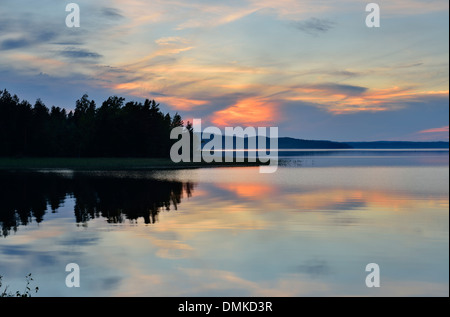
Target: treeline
[(115, 129)]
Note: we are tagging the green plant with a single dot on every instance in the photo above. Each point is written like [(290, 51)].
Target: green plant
[(27, 292)]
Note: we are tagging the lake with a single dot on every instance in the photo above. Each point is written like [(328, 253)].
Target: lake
[(309, 229)]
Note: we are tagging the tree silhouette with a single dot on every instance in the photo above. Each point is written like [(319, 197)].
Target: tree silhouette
[(116, 129)]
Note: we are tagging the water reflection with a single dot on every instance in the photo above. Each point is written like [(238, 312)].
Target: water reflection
[(27, 196), (298, 232)]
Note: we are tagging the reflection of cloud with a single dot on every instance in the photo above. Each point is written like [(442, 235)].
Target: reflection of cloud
[(14, 250), (249, 190), (413, 288), (106, 283), (225, 282), (214, 245), (328, 200), (171, 249), (348, 199), (314, 268), (79, 241), (18, 253)]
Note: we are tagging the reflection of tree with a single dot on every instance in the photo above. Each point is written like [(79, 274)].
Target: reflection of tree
[(25, 196), (118, 199)]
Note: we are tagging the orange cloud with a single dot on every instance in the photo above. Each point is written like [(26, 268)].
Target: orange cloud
[(128, 86), (434, 134), (436, 130), (182, 103), (178, 103), (247, 112), (373, 100), (52, 66), (381, 100)]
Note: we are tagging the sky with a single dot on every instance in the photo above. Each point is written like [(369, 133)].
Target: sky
[(312, 68)]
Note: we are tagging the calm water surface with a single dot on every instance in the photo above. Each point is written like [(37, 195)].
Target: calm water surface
[(309, 229)]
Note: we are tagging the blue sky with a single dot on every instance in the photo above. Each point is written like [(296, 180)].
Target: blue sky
[(312, 68)]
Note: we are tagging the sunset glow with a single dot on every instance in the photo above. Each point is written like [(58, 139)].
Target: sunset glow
[(242, 63)]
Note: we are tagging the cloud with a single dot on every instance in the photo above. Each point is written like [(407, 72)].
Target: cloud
[(349, 90), (216, 16), (11, 44), (314, 26), (112, 13), (434, 134), (345, 73), (171, 40), (25, 41), (247, 112), (400, 120), (436, 130), (79, 53), (180, 103), (235, 61), (346, 99)]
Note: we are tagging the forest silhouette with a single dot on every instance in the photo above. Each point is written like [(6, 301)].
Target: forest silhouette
[(115, 129), (28, 196)]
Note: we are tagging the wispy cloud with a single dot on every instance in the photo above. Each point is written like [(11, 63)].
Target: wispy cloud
[(314, 26), (112, 13), (11, 44), (349, 90), (236, 62), (27, 39), (436, 130), (247, 112), (433, 134), (79, 53)]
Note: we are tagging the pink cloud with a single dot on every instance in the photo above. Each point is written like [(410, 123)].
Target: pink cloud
[(436, 130)]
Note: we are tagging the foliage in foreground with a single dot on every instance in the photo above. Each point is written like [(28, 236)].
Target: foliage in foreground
[(26, 293)]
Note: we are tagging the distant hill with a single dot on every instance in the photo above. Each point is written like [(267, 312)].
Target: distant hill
[(398, 145), (287, 143), (291, 143)]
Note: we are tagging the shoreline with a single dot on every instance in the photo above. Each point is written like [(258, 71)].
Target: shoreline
[(110, 164)]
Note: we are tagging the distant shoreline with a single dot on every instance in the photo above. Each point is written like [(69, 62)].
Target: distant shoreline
[(89, 164), (399, 145), (147, 164), (288, 143)]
